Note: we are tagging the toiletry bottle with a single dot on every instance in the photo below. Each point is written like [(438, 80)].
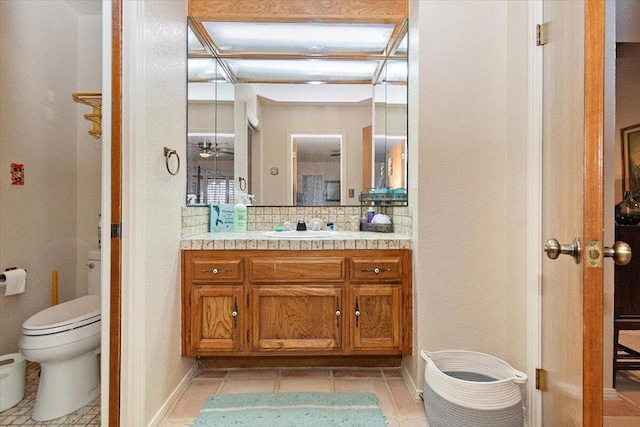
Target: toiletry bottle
[(370, 214), (240, 217), (302, 226)]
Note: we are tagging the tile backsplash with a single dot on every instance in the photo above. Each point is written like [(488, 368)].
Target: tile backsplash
[(195, 219)]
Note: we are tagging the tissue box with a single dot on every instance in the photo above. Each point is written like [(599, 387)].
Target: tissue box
[(221, 218)]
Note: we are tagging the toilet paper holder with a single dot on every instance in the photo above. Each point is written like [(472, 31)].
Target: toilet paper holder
[(12, 268)]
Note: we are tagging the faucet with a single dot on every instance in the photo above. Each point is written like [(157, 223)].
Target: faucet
[(301, 225)]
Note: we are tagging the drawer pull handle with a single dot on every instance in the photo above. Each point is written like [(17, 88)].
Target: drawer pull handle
[(375, 270), (216, 271)]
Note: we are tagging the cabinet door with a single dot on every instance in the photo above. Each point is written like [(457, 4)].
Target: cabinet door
[(297, 318), (376, 317), (217, 319)]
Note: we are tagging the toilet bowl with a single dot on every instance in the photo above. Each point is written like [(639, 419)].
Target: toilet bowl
[(65, 341)]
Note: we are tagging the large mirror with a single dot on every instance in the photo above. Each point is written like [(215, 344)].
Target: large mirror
[(296, 114)]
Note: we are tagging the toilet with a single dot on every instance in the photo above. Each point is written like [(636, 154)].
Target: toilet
[(65, 341)]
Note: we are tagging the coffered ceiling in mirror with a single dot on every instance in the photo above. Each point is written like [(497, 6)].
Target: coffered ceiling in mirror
[(296, 41)]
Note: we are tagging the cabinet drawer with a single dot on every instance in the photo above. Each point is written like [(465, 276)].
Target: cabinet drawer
[(376, 269), (217, 270), (297, 269)]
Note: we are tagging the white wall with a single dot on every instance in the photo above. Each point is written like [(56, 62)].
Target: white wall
[(202, 116), (89, 150), (163, 124), (38, 127), (516, 183), (628, 16), (467, 133)]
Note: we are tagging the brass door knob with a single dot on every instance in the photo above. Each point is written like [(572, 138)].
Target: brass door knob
[(620, 252), (555, 249)]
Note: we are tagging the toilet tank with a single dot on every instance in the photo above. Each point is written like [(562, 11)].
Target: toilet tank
[(94, 269)]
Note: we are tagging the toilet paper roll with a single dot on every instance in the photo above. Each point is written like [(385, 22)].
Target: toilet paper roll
[(15, 281)]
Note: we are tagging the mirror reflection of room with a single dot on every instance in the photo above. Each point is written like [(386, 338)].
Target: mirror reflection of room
[(312, 115)]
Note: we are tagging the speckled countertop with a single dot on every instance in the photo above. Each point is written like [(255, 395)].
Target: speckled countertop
[(258, 240)]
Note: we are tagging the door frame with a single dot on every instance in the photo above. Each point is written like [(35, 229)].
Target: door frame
[(111, 211), (534, 218), (292, 175), (594, 191)]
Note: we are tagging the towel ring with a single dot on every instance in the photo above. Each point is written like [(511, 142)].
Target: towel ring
[(168, 152)]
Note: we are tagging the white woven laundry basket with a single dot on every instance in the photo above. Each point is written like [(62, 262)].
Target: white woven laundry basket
[(470, 389)]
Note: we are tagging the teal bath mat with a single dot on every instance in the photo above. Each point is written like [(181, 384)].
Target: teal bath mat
[(291, 410)]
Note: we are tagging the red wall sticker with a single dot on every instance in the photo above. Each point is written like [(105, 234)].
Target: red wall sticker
[(17, 174)]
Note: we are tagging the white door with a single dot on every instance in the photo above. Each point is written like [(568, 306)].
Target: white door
[(572, 193)]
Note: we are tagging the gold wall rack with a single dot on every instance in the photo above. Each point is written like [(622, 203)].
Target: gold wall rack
[(93, 100)]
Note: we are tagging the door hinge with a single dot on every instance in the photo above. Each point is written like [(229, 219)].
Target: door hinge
[(541, 34), (541, 379), (116, 231)]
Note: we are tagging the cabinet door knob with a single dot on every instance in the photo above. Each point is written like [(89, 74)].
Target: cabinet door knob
[(234, 313)]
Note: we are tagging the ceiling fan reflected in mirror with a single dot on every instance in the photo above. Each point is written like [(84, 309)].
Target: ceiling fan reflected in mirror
[(208, 149)]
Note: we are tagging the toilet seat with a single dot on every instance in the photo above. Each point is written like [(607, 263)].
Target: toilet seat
[(64, 317)]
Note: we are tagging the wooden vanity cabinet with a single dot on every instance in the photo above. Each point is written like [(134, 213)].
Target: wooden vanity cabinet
[(214, 303), (377, 319), (297, 318), (376, 300), (296, 303), (216, 321)]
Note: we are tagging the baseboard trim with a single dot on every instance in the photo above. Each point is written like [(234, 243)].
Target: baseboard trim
[(411, 385), (610, 394), (164, 410), (222, 362)]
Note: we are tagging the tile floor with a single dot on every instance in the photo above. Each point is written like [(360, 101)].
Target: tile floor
[(19, 415), (398, 405)]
